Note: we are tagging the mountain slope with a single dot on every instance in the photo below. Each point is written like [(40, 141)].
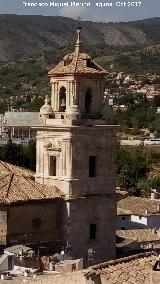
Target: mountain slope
[(22, 36)]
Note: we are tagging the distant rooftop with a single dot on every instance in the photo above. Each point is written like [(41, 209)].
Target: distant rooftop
[(16, 249), (138, 206), (140, 235), (22, 118)]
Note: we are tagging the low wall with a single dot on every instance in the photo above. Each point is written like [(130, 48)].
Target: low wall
[(68, 278)]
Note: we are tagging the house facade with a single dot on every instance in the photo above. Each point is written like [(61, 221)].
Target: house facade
[(138, 213)]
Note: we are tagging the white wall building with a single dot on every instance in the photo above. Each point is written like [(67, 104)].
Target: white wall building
[(138, 213)]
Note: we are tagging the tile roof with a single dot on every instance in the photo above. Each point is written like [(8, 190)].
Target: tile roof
[(120, 194), (132, 272), (9, 168), (140, 235), (77, 63), (138, 206), (123, 243), (134, 269), (18, 185), (121, 211)]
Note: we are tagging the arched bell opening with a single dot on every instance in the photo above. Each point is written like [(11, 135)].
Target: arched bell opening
[(62, 99), (88, 101)]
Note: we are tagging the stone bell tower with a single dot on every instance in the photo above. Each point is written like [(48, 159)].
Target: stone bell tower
[(75, 153)]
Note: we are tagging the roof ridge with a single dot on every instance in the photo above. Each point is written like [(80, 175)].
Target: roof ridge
[(121, 260), (11, 179)]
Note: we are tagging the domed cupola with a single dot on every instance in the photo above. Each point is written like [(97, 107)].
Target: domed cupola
[(46, 111)]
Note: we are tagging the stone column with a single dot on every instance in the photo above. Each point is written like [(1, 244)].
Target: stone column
[(52, 94), (67, 157), (71, 93), (75, 93), (68, 95), (56, 96)]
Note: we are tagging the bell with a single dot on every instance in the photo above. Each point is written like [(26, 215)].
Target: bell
[(63, 103)]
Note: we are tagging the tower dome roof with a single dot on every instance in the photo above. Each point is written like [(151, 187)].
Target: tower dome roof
[(46, 108), (77, 62)]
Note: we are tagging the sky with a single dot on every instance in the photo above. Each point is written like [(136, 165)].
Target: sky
[(111, 13)]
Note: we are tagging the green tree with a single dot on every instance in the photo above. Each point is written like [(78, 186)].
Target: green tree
[(144, 188), (20, 155), (132, 166), (155, 183)]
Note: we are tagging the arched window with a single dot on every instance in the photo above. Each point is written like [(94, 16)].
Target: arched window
[(88, 100), (62, 99)]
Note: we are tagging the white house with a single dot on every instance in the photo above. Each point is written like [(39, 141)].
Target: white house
[(138, 213)]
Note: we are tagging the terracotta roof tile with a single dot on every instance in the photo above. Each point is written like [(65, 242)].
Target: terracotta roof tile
[(77, 63), (9, 168), (18, 185), (135, 269), (138, 206), (140, 235)]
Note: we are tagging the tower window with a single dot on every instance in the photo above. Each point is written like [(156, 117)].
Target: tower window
[(88, 100), (62, 99), (92, 231), (92, 166), (52, 166)]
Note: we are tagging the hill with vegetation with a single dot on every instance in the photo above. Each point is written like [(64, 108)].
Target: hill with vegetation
[(23, 36), (30, 45)]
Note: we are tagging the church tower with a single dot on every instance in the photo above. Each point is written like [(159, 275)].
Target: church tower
[(75, 153)]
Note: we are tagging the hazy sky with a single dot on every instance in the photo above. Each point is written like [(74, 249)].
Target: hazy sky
[(148, 9)]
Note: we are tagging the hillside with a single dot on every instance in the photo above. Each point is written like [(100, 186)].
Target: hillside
[(140, 60), (30, 45), (21, 36)]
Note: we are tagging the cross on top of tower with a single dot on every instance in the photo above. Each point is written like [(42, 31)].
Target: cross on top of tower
[(78, 42), (77, 62)]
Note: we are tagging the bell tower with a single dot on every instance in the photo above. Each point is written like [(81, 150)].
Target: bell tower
[(77, 79), (75, 153)]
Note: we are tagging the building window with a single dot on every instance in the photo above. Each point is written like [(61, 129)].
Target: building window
[(123, 218), (92, 231), (36, 223), (123, 228), (92, 166), (140, 217), (52, 171)]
